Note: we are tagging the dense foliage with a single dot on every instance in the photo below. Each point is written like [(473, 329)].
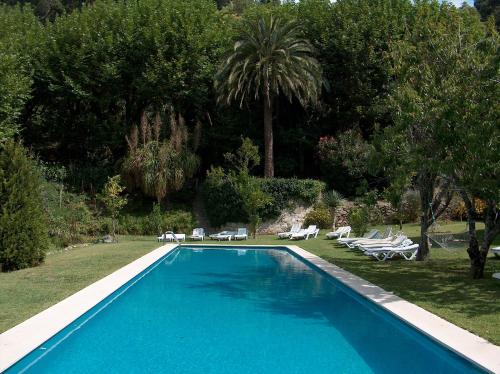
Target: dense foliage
[(70, 217), (405, 92), (90, 76), (445, 112), (103, 67), (319, 216), (23, 228), (288, 191), (489, 8), (18, 48), (224, 204), (344, 161)]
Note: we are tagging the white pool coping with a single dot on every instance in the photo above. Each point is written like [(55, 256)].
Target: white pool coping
[(464, 343), (30, 334)]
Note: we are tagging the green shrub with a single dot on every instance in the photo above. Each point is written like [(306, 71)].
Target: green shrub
[(285, 192), (222, 201), (359, 219), (23, 227), (343, 161), (319, 216), (179, 221), (155, 222), (224, 204), (69, 217), (131, 225)]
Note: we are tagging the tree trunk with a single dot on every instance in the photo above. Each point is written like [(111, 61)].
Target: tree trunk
[(478, 254), (432, 206), (473, 250), (268, 139), (491, 230), (113, 224), (400, 216), (426, 189)]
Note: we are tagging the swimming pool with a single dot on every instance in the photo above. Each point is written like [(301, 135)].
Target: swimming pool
[(238, 310)]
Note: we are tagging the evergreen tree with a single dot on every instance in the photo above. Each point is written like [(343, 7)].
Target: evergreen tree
[(23, 230)]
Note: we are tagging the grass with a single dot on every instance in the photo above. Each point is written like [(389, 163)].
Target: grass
[(441, 285), (26, 292)]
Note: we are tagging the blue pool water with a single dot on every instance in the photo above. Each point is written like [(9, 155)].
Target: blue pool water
[(238, 311)]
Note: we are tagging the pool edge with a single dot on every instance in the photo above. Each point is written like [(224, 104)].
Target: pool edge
[(21, 339), (471, 347)]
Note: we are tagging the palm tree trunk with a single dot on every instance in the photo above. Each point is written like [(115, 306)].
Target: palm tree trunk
[(268, 140)]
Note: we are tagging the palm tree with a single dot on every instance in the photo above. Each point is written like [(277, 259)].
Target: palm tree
[(270, 57)]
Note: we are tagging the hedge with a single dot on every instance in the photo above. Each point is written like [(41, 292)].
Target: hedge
[(285, 192), (223, 204)]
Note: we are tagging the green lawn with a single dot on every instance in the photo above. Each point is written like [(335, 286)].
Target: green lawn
[(24, 293), (440, 285)]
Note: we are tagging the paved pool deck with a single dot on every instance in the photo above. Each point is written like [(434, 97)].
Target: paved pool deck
[(30, 334)]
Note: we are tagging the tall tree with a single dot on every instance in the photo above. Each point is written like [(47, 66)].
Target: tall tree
[(420, 103), (471, 136), (19, 31), (270, 57), (446, 116)]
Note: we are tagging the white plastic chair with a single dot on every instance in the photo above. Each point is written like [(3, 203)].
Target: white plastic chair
[(339, 233), (242, 234), (312, 230), (198, 234)]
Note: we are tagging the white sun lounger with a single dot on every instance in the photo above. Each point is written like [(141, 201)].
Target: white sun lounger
[(396, 242), (496, 251), (341, 231), (386, 236), (223, 235), (286, 235), (311, 231), (198, 234), (408, 252), (370, 235), (379, 242), (242, 234), (170, 237)]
